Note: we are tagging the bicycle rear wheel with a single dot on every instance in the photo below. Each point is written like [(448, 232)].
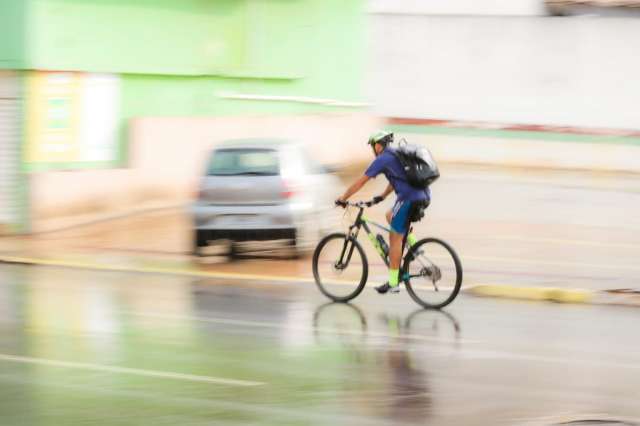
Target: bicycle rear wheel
[(434, 273), (340, 267)]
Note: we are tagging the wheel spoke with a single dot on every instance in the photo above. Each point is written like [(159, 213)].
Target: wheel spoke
[(340, 267), (430, 284)]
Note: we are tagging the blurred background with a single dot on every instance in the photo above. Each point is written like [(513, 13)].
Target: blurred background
[(109, 107), (146, 145)]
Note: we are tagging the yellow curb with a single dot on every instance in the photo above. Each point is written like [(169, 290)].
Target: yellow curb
[(559, 295), (160, 270), (149, 270)]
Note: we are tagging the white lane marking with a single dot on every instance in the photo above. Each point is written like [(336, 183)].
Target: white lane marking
[(311, 329), (124, 370)]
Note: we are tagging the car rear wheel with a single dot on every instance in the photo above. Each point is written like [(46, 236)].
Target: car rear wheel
[(200, 241)]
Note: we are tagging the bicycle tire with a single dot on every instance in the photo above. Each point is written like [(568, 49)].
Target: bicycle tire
[(406, 267), (358, 283)]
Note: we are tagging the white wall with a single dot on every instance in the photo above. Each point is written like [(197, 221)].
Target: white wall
[(542, 70), (460, 7)]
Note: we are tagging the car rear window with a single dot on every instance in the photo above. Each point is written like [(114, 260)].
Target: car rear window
[(233, 162)]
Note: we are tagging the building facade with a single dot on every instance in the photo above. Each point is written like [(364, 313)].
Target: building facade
[(75, 74)]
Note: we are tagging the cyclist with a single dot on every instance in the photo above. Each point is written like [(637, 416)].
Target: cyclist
[(409, 200)]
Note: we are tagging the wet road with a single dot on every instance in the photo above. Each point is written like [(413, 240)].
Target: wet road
[(104, 348)]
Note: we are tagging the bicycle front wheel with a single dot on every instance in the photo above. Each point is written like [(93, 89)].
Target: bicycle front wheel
[(434, 273), (340, 267)]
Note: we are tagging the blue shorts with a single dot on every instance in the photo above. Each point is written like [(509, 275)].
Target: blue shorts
[(400, 216)]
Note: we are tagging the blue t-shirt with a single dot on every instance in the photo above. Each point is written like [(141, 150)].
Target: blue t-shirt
[(390, 166)]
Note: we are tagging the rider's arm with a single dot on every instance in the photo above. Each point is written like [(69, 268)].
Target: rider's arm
[(387, 191), (354, 188)]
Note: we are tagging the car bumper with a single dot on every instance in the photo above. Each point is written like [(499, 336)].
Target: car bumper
[(248, 234), (252, 217)]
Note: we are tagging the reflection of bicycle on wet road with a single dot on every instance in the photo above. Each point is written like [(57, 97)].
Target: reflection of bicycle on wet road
[(342, 322), (403, 392), (430, 269), (439, 323), (339, 321), (410, 396)]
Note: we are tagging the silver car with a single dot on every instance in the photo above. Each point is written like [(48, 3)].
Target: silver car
[(259, 189)]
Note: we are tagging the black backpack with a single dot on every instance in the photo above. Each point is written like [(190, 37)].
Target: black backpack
[(418, 164)]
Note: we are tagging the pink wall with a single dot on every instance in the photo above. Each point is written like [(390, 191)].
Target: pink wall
[(167, 157)]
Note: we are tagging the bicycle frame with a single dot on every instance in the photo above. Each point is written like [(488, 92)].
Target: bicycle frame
[(362, 221)]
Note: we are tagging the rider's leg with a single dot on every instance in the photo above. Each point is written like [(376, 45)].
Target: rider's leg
[(394, 256), (397, 218), (395, 253), (411, 238)]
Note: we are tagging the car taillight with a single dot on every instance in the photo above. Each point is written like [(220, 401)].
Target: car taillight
[(288, 190)]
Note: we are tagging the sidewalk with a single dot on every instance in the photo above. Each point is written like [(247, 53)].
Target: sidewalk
[(264, 268)]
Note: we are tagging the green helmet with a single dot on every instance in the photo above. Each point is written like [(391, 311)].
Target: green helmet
[(381, 137)]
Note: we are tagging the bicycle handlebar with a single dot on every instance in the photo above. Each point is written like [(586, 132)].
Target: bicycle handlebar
[(359, 204)]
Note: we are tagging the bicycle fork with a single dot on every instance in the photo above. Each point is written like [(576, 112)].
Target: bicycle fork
[(347, 249)]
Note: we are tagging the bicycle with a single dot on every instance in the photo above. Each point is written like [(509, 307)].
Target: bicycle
[(340, 263)]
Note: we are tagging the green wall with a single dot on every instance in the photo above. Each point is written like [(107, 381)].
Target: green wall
[(13, 15), (271, 47), (314, 45), (188, 37), (176, 57)]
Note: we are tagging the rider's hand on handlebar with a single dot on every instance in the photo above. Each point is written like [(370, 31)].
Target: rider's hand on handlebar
[(377, 199), (341, 203)]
